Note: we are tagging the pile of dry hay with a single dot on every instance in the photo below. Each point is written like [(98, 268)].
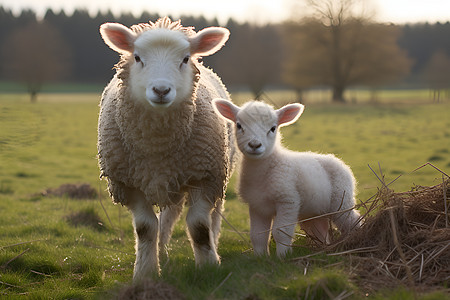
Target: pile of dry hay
[(407, 242)]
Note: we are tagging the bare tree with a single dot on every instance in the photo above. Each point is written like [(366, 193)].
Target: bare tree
[(306, 64), (336, 15), (339, 47), (437, 73), (35, 54)]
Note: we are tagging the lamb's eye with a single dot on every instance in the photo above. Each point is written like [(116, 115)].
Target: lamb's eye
[(137, 58), (186, 59), (238, 126), (273, 128)]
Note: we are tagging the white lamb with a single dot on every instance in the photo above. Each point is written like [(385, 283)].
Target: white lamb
[(282, 186), (159, 140)]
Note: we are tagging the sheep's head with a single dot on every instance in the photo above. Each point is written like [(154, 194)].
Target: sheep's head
[(162, 57), (257, 124)]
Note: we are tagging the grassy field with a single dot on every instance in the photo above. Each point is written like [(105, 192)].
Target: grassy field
[(53, 142)]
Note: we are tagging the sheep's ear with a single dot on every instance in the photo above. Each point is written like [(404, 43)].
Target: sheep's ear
[(226, 109), (118, 37), (209, 40), (289, 114)]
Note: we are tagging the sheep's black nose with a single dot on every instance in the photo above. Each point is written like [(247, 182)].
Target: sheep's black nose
[(254, 145), (161, 92)]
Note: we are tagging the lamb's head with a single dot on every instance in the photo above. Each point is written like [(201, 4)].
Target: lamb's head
[(162, 57), (257, 124)]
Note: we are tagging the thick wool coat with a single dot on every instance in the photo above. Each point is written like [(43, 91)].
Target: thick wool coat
[(163, 154)]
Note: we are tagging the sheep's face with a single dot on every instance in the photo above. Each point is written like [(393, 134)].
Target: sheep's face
[(162, 66), (256, 124), (162, 71)]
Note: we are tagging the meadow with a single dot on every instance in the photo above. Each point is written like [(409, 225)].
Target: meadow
[(45, 253)]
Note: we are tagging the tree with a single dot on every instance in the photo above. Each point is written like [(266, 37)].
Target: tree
[(437, 73), (259, 58), (378, 59), (422, 40), (305, 66), (336, 47), (35, 54), (251, 57)]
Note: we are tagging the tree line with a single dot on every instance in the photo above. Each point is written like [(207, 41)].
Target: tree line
[(326, 50)]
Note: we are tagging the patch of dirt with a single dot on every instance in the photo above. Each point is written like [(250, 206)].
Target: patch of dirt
[(87, 217), (72, 191), (151, 290)]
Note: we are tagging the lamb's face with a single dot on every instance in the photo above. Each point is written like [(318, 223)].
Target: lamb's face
[(256, 130), (257, 124), (162, 72)]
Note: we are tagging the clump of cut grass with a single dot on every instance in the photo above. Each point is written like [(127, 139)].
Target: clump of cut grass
[(72, 191), (436, 157), (406, 242), (5, 189), (86, 217), (21, 174)]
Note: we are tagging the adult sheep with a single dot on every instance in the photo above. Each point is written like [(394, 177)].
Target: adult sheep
[(159, 140)]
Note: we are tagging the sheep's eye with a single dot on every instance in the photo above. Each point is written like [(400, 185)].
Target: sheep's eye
[(137, 58), (238, 126), (273, 129), (186, 59)]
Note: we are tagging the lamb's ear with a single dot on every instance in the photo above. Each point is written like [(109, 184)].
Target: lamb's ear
[(288, 114), (225, 108), (118, 37), (208, 41)]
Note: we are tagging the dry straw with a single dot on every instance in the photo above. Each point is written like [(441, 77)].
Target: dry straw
[(405, 239)]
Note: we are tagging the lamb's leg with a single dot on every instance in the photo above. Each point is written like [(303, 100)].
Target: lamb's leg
[(318, 229), (347, 221), (343, 199), (146, 227), (283, 228), (216, 219), (260, 232), (199, 225), (167, 220)]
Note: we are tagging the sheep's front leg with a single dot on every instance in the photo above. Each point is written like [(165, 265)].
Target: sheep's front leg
[(198, 221), (167, 220), (260, 231), (145, 224), (216, 219), (284, 225)]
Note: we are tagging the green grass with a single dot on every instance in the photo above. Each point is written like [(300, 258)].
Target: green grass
[(353, 96), (43, 254)]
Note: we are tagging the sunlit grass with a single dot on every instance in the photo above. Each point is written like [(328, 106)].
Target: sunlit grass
[(52, 142), (352, 96)]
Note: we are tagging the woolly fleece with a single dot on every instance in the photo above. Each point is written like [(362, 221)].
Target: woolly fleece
[(163, 154)]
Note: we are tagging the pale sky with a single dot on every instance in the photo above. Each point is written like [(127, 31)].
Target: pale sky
[(260, 11)]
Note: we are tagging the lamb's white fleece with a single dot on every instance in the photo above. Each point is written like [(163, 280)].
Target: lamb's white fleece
[(283, 187)]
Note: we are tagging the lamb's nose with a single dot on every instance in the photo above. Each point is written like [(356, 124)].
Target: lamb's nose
[(254, 144), (161, 92)]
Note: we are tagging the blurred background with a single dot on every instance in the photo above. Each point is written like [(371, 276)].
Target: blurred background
[(332, 46)]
